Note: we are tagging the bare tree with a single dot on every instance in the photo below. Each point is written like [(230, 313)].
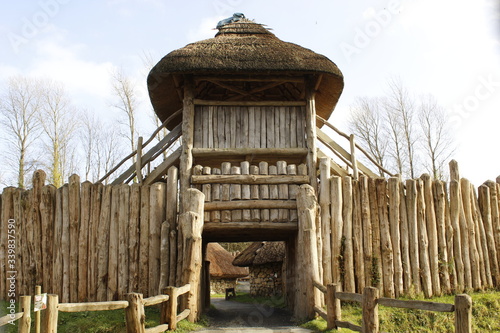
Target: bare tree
[(401, 110), (367, 123), (59, 124), (90, 131), (437, 143), (19, 107), (126, 102)]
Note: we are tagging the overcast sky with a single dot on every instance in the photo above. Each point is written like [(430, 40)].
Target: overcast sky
[(448, 48)]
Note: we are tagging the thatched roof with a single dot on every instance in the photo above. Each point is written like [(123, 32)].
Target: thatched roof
[(221, 263), (242, 48), (260, 253)]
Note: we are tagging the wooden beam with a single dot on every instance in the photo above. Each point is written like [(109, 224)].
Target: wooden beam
[(248, 179), (282, 152), (249, 103), (416, 305), (245, 226), (311, 134), (253, 78), (251, 204)]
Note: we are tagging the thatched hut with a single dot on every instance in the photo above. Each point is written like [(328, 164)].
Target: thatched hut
[(265, 261), (223, 274)]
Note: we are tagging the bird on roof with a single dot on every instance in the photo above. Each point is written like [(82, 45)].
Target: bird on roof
[(235, 18)]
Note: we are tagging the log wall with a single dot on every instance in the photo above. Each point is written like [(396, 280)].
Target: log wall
[(89, 242), (249, 127), (414, 236)]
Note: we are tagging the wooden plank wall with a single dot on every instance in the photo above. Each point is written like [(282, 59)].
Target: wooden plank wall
[(417, 236), (89, 242), (249, 127), (229, 192)]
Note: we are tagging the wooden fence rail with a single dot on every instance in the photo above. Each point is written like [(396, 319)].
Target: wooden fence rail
[(24, 316), (370, 301), (134, 310)]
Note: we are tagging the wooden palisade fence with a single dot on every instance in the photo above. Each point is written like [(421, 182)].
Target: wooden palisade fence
[(370, 301), (421, 235)]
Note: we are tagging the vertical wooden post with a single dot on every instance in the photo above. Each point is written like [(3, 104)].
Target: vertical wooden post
[(134, 314), (411, 208), (333, 309), (336, 225), (423, 241), (191, 224), (385, 238), (370, 310), (50, 319), (455, 207), (394, 225), (38, 291), (309, 271), (186, 159), (169, 308), (324, 202), (74, 228), (171, 215), (348, 255), (25, 321), (353, 157), (311, 133), (366, 223), (138, 161), (463, 314)]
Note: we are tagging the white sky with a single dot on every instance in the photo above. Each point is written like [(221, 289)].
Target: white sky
[(448, 48)]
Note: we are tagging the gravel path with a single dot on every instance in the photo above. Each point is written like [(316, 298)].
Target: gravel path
[(229, 316)]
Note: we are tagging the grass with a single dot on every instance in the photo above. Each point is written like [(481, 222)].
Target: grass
[(274, 301), (485, 313), (112, 321)]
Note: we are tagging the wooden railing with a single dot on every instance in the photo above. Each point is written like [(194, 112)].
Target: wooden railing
[(24, 316), (134, 310), (349, 158), (144, 159), (370, 301)]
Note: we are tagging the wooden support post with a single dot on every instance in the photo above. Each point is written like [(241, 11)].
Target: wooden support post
[(186, 159), (50, 319), (324, 202), (347, 254), (394, 225), (25, 321), (308, 256), (138, 161), (311, 133), (169, 309), (423, 242), (191, 224), (411, 208), (385, 238), (462, 278), (353, 157), (333, 308), (336, 226), (463, 314), (370, 310), (134, 314)]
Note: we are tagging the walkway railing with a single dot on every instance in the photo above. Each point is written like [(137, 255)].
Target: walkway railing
[(24, 316)]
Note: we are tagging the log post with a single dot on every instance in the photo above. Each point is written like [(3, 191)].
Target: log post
[(169, 308), (385, 239), (366, 223), (394, 225), (454, 173), (25, 321), (333, 308), (376, 265), (485, 207), (324, 202), (138, 161), (473, 252), (357, 237), (411, 208), (307, 210), (50, 319), (463, 314), (347, 253), (370, 310), (353, 157), (191, 224), (74, 228), (311, 133), (186, 159), (336, 225), (440, 205), (134, 314), (423, 242), (38, 317), (462, 278)]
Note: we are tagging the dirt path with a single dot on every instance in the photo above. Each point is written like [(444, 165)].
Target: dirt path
[(229, 316)]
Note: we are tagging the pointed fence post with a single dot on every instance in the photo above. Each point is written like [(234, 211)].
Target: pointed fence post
[(51, 314), (134, 314), (463, 313), (370, 310)]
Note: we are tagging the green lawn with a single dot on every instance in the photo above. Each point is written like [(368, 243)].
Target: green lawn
[(485, 312)]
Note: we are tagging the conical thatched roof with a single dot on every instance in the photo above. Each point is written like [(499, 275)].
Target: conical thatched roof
[(221, 263), (242, 48), (260, 253)]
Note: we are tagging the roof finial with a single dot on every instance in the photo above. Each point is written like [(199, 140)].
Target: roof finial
[(235, 18)]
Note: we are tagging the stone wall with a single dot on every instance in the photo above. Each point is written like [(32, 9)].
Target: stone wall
[(219, 285), (266, 280)]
